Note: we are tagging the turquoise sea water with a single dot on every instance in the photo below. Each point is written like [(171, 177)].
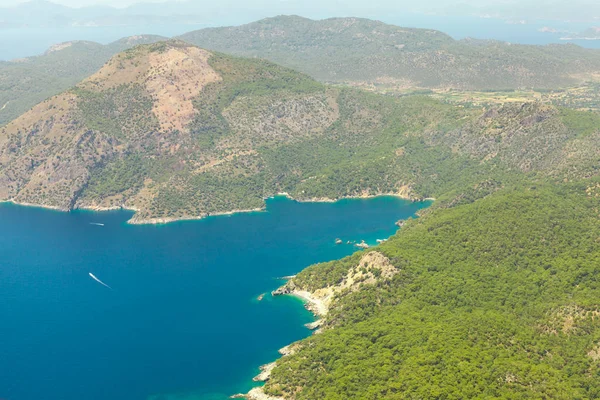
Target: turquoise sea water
[(182, 320)]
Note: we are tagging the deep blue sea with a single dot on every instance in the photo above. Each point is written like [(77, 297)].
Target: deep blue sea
[(182, 320)]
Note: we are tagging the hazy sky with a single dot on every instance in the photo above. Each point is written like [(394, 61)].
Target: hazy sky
[(527, 9), (83, 3)]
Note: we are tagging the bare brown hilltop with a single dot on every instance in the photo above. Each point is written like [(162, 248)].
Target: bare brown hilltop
[(144, 110), (49, 152)]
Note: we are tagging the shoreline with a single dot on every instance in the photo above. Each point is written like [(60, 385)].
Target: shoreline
[(313, 304), (357, 197), (373, 267), (166, 220), (32, 205), (100, 209)]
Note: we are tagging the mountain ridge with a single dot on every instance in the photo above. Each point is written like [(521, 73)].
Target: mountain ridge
[(362, 52), (25, 82), (174, 131), (143, 103), (393, 58)]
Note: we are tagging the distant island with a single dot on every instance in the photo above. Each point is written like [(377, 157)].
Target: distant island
[(588, 34)]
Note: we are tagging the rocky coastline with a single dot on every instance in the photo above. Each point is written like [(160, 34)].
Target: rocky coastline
[(317, 303), (24, 204), (165, 220), (402, 194), (372, 267), (100, 208), (313, 303)]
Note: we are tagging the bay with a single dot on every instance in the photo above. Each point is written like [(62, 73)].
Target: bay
[(182, 320)]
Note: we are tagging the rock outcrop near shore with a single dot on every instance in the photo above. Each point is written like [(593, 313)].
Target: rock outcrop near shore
[(265, 372), (371, 268), (256, 394)]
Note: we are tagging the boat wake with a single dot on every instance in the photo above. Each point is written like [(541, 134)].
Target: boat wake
[(99, 281), (96, 223)]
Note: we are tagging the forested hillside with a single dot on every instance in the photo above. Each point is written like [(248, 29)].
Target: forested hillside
[(370, 53), (493, 299), (492, 293)]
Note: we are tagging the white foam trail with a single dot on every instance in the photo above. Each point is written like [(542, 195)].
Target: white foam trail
[(99, 281), (96, 223)]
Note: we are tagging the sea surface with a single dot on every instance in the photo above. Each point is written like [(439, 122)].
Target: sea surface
[(182, 320)]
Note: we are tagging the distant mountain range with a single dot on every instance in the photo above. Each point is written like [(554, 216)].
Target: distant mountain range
[(352, 51), (365, 52)]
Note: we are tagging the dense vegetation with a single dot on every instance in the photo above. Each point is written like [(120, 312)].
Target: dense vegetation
[(371, 53), (497, 298), (239, 183)]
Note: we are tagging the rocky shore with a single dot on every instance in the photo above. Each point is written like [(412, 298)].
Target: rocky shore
[(166, 220), (256, 394), (265, 372), (56, 208), (372, 267), (135, 220), (101, 208), (403, 193), (315, 304)]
